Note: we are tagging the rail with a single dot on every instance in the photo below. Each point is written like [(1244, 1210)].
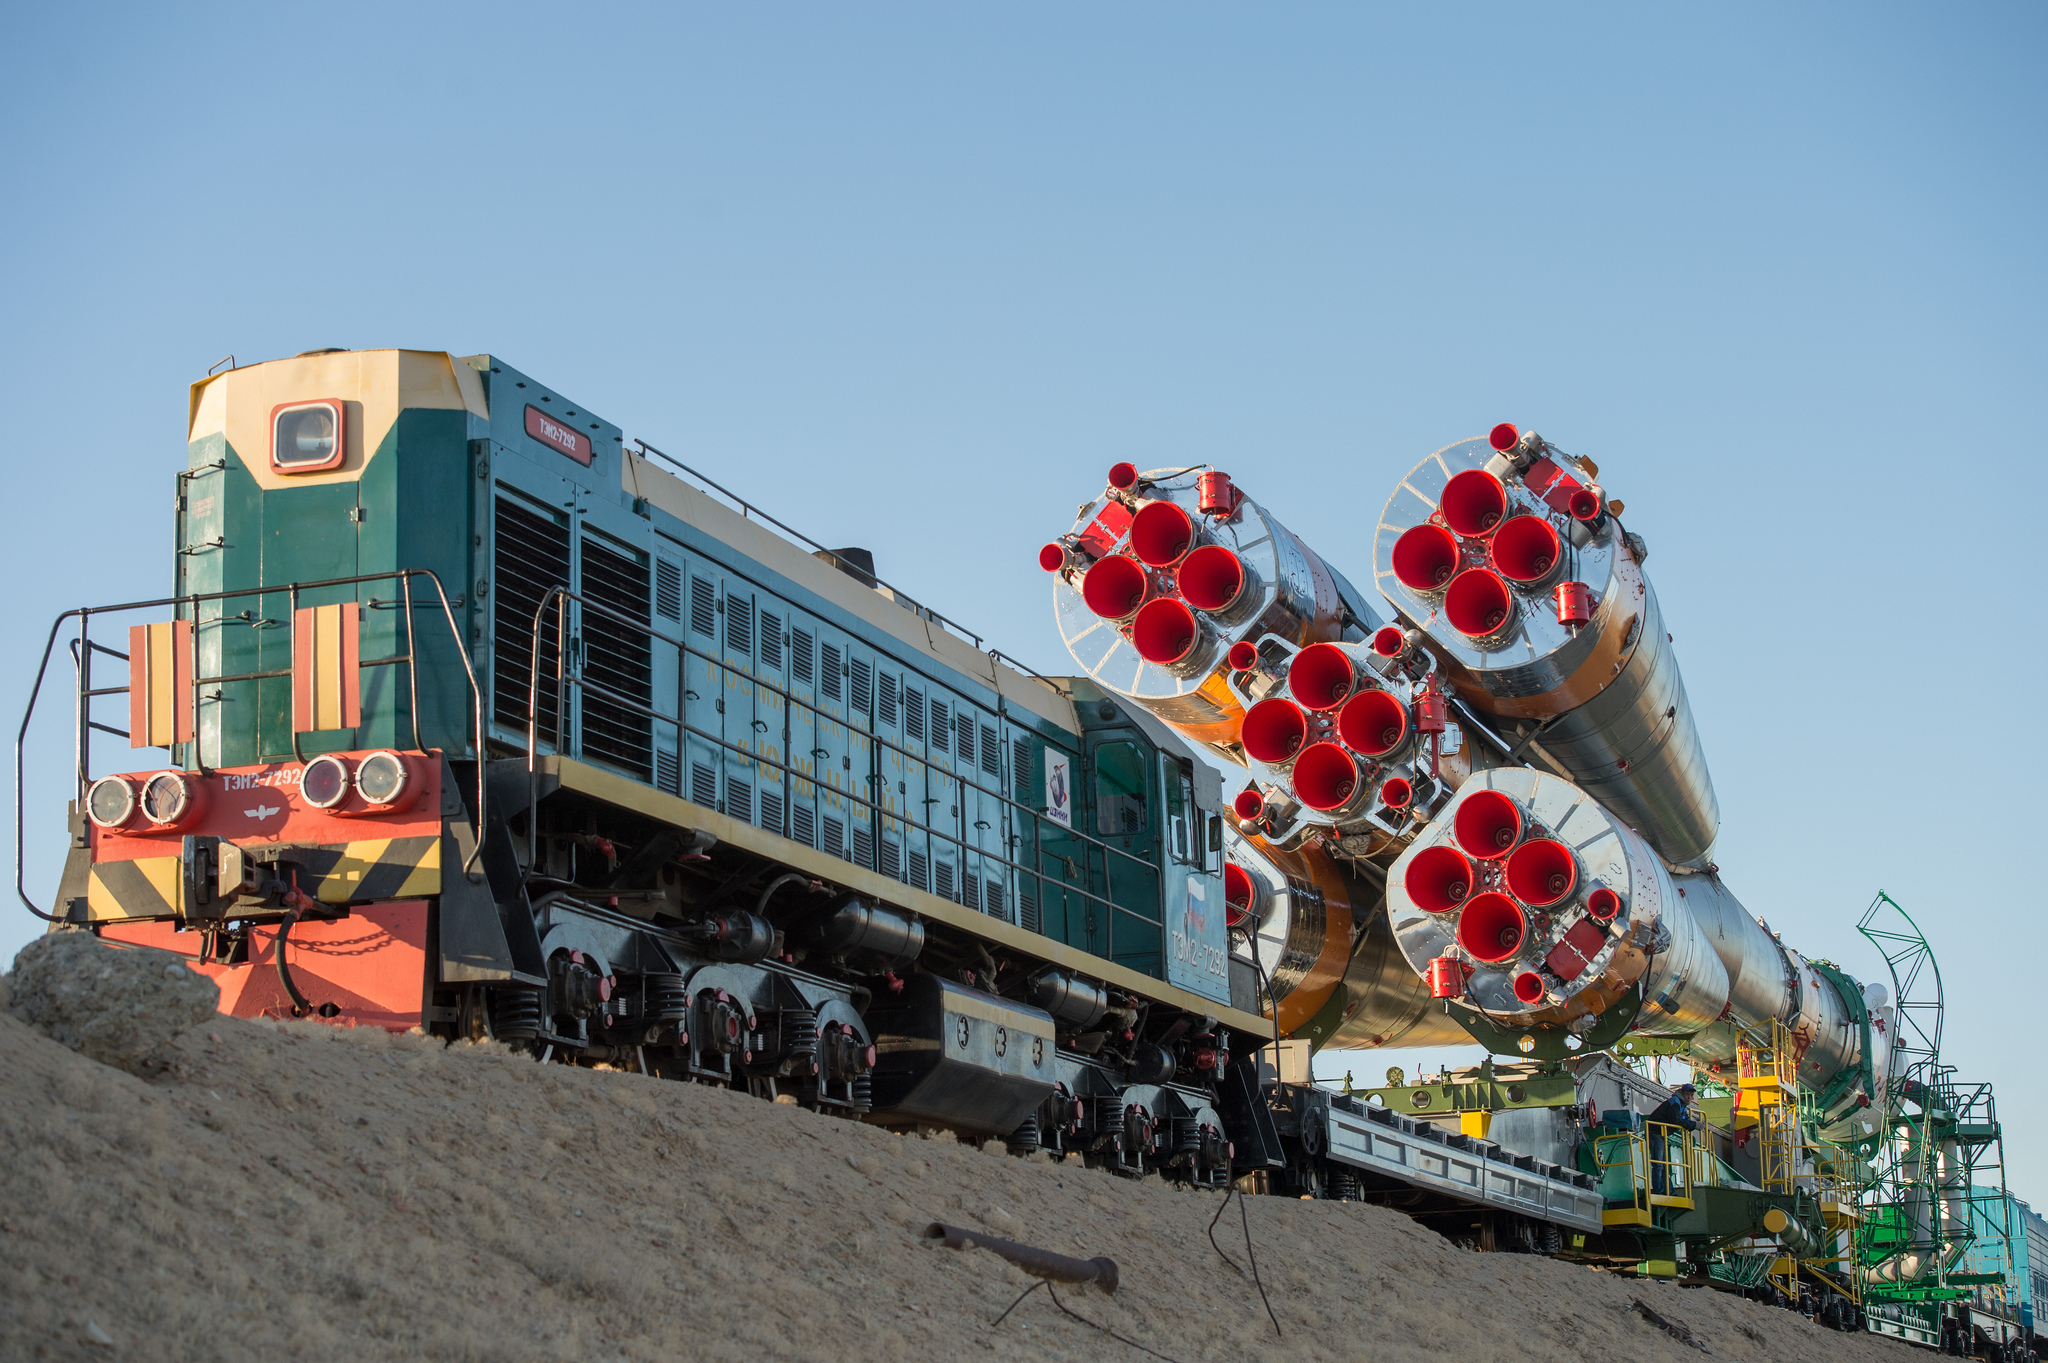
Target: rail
[(83, 649), (565, 679), (748, 509)]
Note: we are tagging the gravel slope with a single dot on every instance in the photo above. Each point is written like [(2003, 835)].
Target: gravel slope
[(296, 1191)]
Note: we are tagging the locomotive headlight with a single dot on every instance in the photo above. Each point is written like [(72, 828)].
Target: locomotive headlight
[(306, 437), (385, 780), (110, 802), (169, 800), (324, 782)]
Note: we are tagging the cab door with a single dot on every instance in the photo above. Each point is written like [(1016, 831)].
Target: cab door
[(1127, 817)]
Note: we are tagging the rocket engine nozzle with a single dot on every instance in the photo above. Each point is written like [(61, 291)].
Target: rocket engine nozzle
[(1526, 550), (1439, 879), (1165, 631), (1212, 578), (1529, 987), (1478, 603), (1244, 656), (1373, 723), (1426, 558), (1541, 871), (1273, 731), (1249, 804), (1239, 894), (1123, 477), (1487, 825), (1396, 792), (1491, 927), (1474, 503), (1115, 588), (1162, 534), (1602, 904), (1326, 778), (1504, 437), (1321, 676), (1390, 641)]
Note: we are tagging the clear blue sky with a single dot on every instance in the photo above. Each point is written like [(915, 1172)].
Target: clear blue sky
[(916, 276)]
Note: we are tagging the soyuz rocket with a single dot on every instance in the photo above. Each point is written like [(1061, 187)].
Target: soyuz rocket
[(1482, 812)]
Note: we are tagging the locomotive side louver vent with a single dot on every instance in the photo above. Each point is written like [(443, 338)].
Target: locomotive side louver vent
[(703, 785), (943, 872), (829, 682), (863, 687), (801, 655), (668, 771), (1027, 903), (704, 606), (618, 667), (892, 860), (963, 730), (913, 715), (1020, 767), (885, 693), (863, 847), (970, 889), (804, 824), (835, 837), (994, 890), (532, 557), (991, 752), (942, 725), (668, 589), (771, 811), (771, 639), (739, 800), (739, 623), (917, 877)]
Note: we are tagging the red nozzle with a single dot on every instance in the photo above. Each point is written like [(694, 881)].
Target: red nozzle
[(1491, 927), (1238, 892), (1585, 504), (1529, 987), (1425, 558), (1249, 804), (1603, 904), (1322, 676), (1478, 603), (1123, 477), (1165, 631), (1373, 723), (1244, 656), (1526, 549), (1474, 502), (1487, 824), (1325, 777), (1114, 587), (1161, 534), (1053, 557), (1439, 879), (1390, 641), (1273, 730), (1504, 437), (1211, 578), (1396, 793), (1541, 871)]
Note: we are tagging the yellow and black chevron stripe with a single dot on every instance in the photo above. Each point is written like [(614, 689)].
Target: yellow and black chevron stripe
[(343, 873)]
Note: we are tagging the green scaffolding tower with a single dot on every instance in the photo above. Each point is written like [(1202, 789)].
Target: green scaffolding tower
[(1935, 1234)]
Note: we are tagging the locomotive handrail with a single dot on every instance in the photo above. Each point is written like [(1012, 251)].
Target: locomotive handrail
[(558, 597), (83, 647), (748, 508)]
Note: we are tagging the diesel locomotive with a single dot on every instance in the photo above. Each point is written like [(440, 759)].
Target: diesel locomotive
[(477, 718)]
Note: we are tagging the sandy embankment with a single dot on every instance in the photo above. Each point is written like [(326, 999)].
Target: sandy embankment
[(293, 1191)]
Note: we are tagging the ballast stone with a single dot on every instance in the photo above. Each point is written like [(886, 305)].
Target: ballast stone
[(113, 1005)]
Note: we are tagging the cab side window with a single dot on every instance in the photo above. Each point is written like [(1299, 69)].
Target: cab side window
[(1119, 789)]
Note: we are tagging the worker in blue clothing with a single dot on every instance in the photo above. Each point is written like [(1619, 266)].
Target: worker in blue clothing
[(1677, 1110)]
